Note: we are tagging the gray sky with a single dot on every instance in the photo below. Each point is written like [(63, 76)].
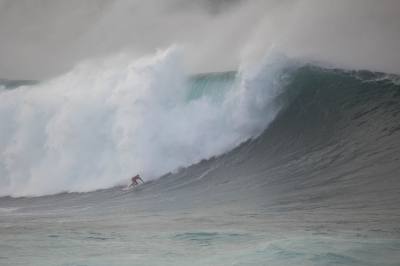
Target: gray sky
[(43, 38)]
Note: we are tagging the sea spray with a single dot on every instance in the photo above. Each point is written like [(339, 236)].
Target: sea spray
[(104, 121)]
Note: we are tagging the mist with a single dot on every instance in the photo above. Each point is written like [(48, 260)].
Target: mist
[(42, 39)]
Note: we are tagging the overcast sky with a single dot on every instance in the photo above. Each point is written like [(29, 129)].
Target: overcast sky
[(43, 38)]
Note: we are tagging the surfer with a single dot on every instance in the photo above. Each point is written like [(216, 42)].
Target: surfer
[(135, 180)]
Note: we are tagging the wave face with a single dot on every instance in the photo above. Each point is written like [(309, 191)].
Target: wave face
[(106, 120), (335, 145)]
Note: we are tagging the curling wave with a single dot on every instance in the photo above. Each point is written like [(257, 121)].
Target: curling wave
[(108, 119)]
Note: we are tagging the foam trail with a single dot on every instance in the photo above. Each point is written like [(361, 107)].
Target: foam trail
[(106, 120)]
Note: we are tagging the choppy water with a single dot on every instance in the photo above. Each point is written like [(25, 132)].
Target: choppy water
[(124, 230)]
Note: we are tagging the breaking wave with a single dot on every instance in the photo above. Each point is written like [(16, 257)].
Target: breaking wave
[(106, 120)]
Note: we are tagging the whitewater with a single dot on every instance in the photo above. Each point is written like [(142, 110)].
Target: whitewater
[(109, 119), (282, 162)]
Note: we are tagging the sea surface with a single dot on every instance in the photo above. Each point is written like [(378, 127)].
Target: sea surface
[(319, 186)]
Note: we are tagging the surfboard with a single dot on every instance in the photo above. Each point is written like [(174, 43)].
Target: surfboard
[(128, 188)]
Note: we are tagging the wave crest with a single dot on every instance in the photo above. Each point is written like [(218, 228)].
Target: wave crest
[(105, 120)]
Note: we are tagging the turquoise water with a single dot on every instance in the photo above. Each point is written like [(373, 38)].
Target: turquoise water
[(214, 85)]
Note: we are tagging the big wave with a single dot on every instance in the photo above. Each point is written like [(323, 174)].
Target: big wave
[(108, 119)]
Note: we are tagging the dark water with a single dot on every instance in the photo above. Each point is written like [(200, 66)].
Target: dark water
[(320, 186), (12, 84)]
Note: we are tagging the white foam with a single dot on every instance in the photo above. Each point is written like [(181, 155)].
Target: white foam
[(109, 119)]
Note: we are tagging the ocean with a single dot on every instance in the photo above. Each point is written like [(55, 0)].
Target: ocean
[(286, 163)]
